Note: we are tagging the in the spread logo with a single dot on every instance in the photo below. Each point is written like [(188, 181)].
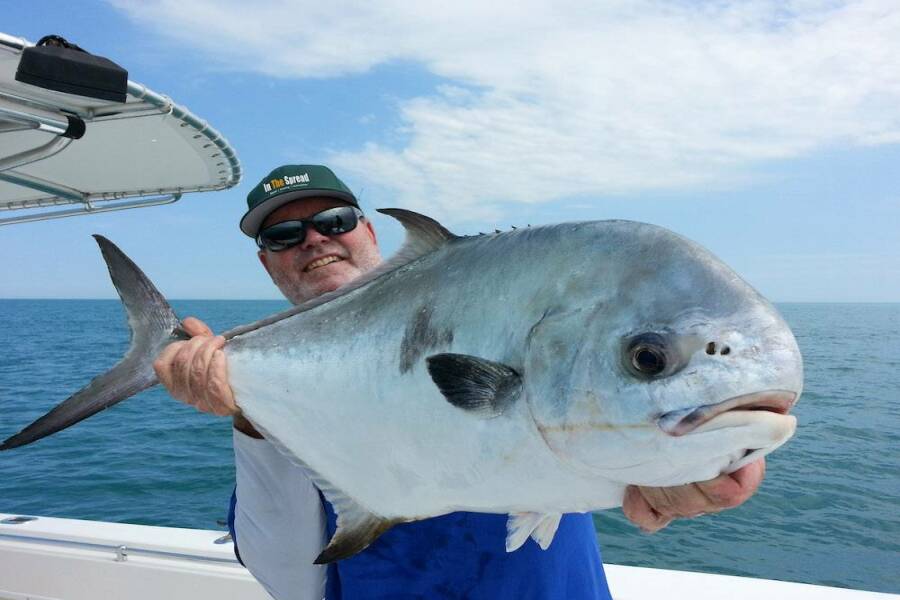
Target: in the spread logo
[(281, 182)]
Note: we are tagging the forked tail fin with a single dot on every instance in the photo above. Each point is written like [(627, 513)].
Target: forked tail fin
[(153, 326)]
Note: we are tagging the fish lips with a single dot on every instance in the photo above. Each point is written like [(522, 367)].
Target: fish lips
[(682, 422)]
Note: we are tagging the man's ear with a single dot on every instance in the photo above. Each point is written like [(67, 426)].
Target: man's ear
[(263, 258), (371, 231)]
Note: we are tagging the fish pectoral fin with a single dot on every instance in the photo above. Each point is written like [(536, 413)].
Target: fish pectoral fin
[(481, 386), (541, 527)]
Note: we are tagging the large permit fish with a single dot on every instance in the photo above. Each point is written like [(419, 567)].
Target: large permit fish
[(533, 372)]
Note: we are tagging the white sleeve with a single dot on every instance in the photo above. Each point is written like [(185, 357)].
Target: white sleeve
[(279, 521)]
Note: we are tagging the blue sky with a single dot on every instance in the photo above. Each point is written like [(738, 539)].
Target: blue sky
[(767, 131)]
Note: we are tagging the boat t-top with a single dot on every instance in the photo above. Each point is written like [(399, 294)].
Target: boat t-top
[(78, 137)]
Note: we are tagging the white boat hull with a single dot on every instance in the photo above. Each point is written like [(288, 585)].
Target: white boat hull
[(68, 559)]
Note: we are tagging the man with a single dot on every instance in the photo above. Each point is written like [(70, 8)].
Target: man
[(313, 239)]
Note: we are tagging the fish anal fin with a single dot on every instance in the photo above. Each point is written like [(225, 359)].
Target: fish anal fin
[(355, 531), (541, 527), (483, 387), (357, 527)]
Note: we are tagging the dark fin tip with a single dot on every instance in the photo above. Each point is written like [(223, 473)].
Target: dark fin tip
[(347, 542)]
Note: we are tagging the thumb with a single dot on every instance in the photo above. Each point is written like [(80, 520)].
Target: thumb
[(195, 327)]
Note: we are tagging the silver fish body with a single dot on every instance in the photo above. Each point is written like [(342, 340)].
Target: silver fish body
[(345, 387), (532, 372)]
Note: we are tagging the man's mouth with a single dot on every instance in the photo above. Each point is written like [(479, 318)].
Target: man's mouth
[(321, 262)]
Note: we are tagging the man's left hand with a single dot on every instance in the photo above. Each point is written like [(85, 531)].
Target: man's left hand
[(652, 508)]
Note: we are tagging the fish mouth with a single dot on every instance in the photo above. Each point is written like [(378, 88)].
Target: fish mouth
[(681, 422)]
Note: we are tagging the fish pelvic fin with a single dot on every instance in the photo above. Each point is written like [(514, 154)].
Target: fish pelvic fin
[(539, 526), (153, 326), (482, 387)]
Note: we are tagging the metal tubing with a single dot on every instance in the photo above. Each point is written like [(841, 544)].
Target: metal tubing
[(52, 147), (89, 210), (11, 41), (42, 185), (119, 549), (41, 122), (182, 114)]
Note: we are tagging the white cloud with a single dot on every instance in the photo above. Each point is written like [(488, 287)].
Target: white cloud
[(557, 100)]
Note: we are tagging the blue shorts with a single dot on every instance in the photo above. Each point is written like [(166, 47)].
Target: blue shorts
[(463, 555)]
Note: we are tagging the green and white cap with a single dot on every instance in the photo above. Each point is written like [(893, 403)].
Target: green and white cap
[(286, 184)]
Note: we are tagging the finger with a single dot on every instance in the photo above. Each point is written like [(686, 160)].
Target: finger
[(198, 378), (181, 370), (639, 511), (220, 392), (195, 327), (751, 476), (728, 491), (678, 501), (163, 365)]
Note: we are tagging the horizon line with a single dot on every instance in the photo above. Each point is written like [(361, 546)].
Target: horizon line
[(285, 300)]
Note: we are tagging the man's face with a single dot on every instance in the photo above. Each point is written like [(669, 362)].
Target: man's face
[(299, 272)]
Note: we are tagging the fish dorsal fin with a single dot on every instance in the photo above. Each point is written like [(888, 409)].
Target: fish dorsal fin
[(480, 386), (424, 235), (540, 527)]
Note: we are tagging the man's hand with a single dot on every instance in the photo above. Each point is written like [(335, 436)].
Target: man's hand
[(195, 371), (652, 508)]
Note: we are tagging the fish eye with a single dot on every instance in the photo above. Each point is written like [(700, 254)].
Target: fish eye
[(646, 355), (648, 360)]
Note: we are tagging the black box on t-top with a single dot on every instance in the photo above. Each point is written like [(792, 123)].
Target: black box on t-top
[(73, 72)]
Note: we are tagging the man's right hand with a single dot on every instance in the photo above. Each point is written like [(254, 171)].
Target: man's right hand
[(195, 371)]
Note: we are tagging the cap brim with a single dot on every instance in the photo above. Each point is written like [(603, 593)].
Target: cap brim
[(253, 219)]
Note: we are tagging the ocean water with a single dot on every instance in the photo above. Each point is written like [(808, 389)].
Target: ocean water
[(827, 513)]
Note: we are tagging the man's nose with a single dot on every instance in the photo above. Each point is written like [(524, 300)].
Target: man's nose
[(313, 239)]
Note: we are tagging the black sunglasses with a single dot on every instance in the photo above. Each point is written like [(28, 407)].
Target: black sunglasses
[(332, 221)]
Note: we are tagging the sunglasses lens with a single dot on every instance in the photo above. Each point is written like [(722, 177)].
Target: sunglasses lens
[(282, 235), (335, 220)]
